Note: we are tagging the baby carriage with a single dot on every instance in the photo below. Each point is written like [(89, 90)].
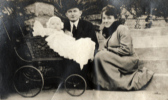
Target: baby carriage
[(30, 78)]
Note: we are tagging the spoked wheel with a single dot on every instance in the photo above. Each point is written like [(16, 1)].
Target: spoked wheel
[(75, 85), (28, 81)]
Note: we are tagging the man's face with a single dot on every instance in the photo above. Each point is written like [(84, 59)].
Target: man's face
[(73, 14)]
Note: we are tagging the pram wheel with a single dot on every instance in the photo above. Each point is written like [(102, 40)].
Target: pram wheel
[(75, 85), (28, 81)]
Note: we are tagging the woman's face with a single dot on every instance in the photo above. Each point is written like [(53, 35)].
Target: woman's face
[(107, 21)]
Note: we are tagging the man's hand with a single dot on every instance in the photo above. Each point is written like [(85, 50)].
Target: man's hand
[(68, 33)]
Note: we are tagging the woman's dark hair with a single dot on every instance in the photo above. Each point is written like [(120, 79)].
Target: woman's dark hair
[(110, 10)]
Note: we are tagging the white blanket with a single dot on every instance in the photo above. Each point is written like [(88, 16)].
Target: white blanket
[(80, 50)]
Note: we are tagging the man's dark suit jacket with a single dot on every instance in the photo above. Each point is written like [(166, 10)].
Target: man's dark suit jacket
[(84, 29)]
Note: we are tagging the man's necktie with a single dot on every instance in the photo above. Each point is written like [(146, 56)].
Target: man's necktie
[(74, 30)]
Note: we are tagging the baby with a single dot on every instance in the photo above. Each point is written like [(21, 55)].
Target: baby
[(63, 43), (54, 24)]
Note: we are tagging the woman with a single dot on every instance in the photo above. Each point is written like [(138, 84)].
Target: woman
[(116, 66)]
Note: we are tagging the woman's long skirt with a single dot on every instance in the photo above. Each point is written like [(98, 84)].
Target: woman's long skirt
[(115, 72)]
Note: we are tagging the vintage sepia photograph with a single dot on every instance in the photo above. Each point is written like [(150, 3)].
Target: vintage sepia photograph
[(83, 49)]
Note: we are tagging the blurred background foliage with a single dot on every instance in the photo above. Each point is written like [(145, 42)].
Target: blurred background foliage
[(136, 7)]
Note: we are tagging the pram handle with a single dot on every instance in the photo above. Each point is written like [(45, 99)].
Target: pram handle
[(20, 56), (7, 33)]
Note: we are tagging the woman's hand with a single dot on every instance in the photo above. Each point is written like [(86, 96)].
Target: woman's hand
[(101, 49), (101, 26)]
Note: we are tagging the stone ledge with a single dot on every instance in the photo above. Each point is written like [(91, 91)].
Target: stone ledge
[(158, 83), (159, 31), (157, 66), (152, 53), (55, 94), (40, 9), (150, 41)]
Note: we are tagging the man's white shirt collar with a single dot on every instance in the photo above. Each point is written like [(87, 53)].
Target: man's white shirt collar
[(74, 23)]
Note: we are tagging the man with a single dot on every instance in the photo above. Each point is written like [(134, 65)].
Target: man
[(79, 29)]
